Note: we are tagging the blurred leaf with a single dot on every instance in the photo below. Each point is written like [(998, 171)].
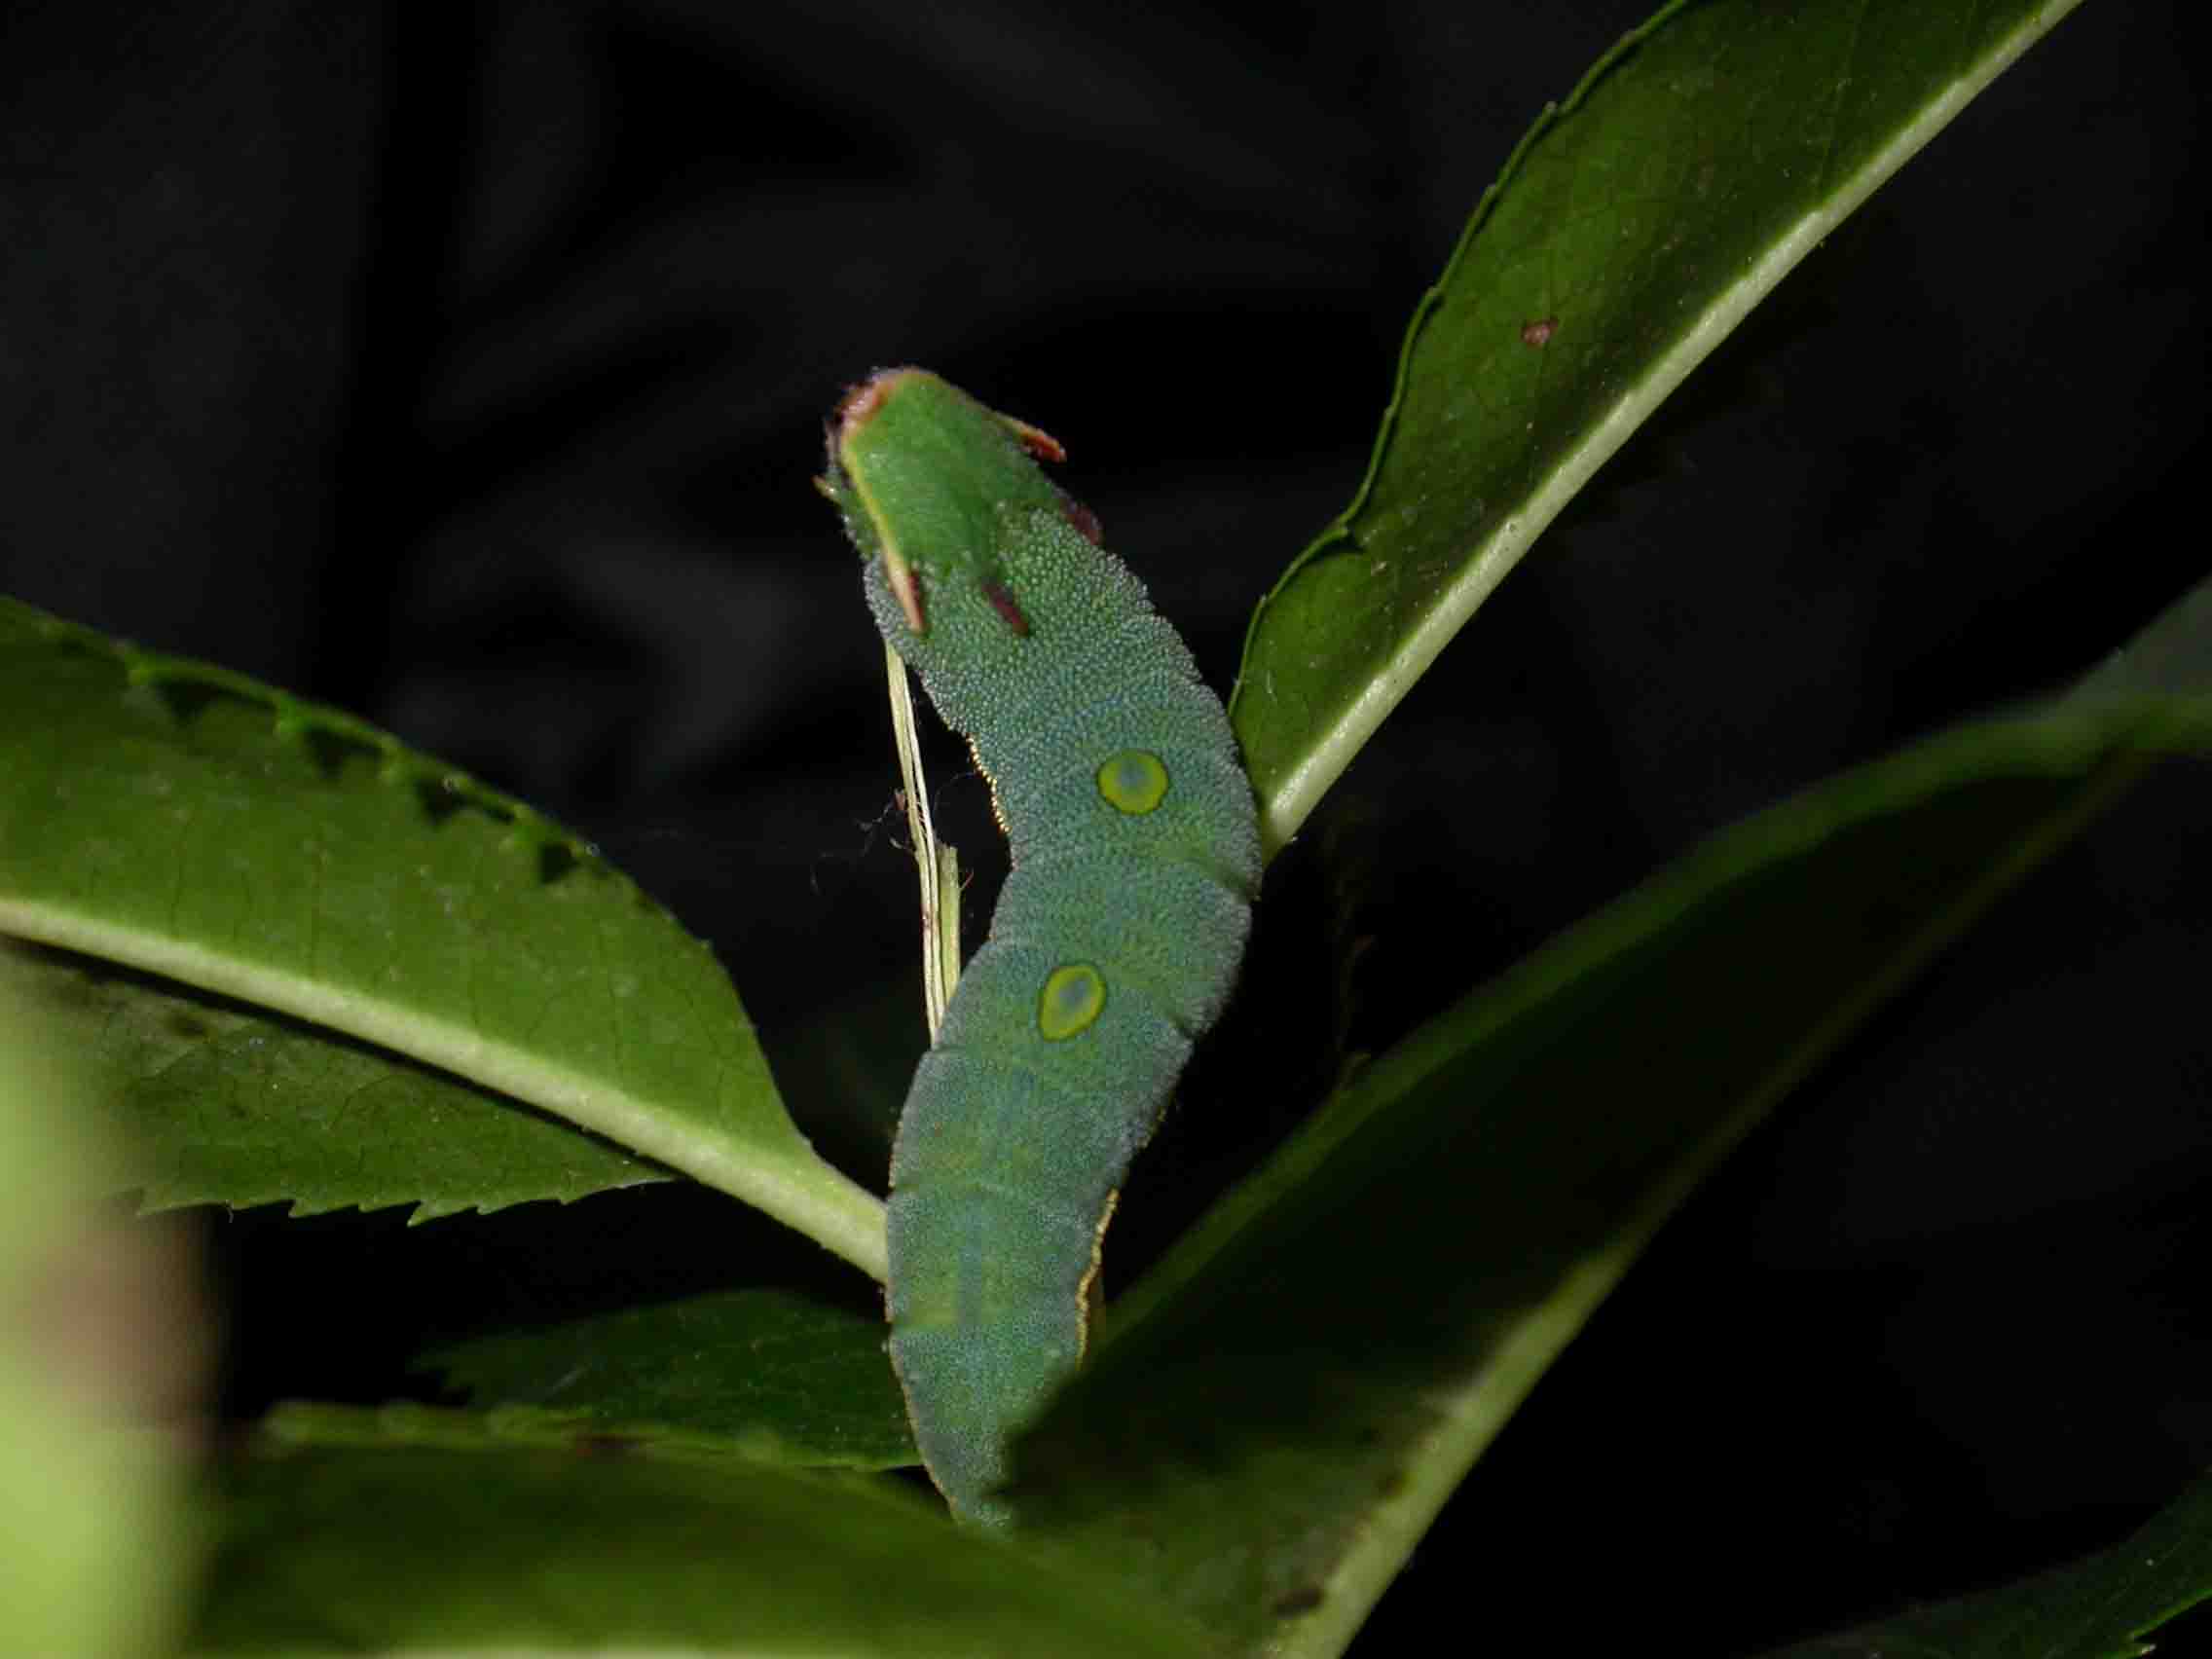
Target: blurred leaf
[(101, 1340)]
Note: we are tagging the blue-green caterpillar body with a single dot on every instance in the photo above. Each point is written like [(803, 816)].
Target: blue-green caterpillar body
[(1135, 858)]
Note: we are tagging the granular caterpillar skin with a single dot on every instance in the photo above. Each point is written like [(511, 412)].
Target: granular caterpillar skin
[(1135, 852)]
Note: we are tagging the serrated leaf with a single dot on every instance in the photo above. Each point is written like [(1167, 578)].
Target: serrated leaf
[(410, 1549), (1276, 1412), (766, 1372), (184, 820), (1635, 226), (216, 1102), (2098, 1609)]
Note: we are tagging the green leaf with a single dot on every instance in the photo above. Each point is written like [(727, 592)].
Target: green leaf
[(2097, 1608), (782, 1377), (184, 820), (214, 1102), (1277, 1412), (402, 1548), (1633, 226)]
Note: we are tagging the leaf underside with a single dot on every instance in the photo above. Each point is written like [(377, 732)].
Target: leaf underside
[(213, 1101), (767, 1373)]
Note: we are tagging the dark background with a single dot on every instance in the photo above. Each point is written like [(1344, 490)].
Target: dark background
[(463, 366)]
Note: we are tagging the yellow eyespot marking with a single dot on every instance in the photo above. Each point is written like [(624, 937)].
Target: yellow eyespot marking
[(1133, 781), (1074, 998)]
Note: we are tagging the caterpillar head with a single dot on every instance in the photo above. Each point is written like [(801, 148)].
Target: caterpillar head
[(928, 480)]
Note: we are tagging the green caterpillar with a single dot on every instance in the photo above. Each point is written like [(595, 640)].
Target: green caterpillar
[(1135, 856)]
